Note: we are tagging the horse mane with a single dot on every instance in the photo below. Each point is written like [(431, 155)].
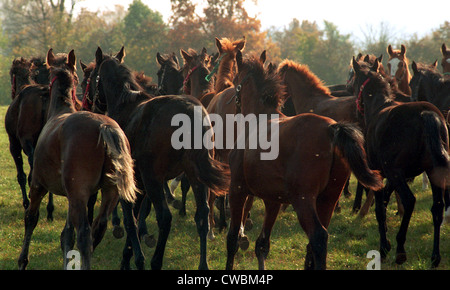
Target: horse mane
[(270, 88), (19, 63), (126, 83), (381, 84), (67, 80), (309, 77)]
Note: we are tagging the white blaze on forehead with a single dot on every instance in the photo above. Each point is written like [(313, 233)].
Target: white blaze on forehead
[(448, 60), (394, 66)]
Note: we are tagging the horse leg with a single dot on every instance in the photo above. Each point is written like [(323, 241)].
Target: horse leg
[(317, 234), (91, 204), (408, 200), (163, 215), (358, 198), (67, 240), (237, 198), (185, 185), (132, 244), (37, 192), (16, 152), (437, 211), (118, 231), (110, 197), (78, 217), (380, 212), (144, 212), (201, 219), (447, 205), (262, 244)]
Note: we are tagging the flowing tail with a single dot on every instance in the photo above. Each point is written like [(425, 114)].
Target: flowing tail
[(118, 149), (349, 141), (437, 140)]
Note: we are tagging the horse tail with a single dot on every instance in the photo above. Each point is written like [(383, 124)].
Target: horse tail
[(437, 141), (210, 172), (349, 141), (118, 150)]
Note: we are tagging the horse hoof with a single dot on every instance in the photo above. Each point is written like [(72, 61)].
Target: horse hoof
[(401, 258), (49, 218), (248, 225), (244, 243), (118, 232), (176, 204), (211, 236), (149, 240)]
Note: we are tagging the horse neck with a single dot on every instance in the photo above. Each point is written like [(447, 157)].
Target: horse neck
[(375, 100), (225, 74), (60, 103), (403, 84), (199, 88), (253, 104), (304, 95)]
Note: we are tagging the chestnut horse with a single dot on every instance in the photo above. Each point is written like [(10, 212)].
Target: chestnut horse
[(402, 141), (26, 116), (77, 153), (147, 122), (312, 167), (397, 68)]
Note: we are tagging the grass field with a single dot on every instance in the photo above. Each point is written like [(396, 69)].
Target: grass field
[(350, 238)]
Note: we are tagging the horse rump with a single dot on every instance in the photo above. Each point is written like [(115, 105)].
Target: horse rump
[(349, 141)]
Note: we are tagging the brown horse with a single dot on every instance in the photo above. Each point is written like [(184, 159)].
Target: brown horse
[(147, 122), (77, 154), (170, 76), (398, 69), (195, 72), (314, 161), (26, 116), (445, 62), (402, 141)]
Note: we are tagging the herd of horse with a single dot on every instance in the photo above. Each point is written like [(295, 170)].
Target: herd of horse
[(383, 124)]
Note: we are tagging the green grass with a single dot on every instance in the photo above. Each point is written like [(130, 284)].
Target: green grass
[(350, 238)]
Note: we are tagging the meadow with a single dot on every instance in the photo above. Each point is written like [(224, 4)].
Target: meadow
[(350, 238)]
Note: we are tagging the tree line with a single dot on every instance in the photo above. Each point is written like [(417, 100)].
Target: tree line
[(30, 27)]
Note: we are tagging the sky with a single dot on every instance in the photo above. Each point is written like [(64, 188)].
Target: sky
[(405, 18)]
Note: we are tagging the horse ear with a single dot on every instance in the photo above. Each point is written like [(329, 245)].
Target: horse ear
[(219, 45), (414, 67), (175, 58), (159, 59), (72, 60), (186, 56), (389, 50), (204, 51), (380, 58), (367, 58), (262, 57), (240, 44), (50, 57), (121, 54), (83, 65), (403, 50), (359, 56), (444, 49), (355, 65), (376, 65), (98, 56), (239, 59), (434, 64)]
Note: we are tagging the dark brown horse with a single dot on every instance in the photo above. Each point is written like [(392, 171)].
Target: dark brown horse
[(402, 141), (195, 72), (147, 122), (77, 154), (428, 84), (397, 68), (170, 76), (26, 116), (445, 62), (314, 161)]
